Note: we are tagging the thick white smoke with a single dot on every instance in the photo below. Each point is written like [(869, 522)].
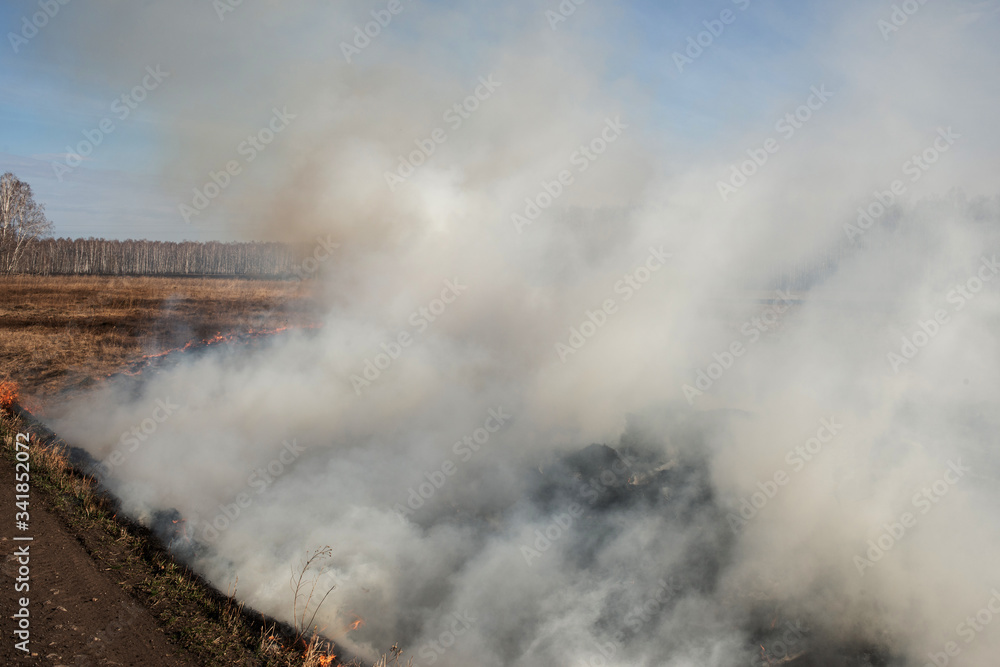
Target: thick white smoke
[(801, 400)]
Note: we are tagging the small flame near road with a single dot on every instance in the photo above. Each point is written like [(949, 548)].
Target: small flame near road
[(137, 367), (11, 398), (9, 395)]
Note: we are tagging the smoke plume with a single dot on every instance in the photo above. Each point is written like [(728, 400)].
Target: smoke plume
[(630, 368)]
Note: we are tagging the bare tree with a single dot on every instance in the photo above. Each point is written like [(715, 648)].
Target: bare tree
[(22, 220), (161, 258)]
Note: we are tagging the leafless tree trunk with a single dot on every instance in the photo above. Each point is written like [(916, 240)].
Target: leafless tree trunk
[(22, 220), (160, 258), (24, 248)]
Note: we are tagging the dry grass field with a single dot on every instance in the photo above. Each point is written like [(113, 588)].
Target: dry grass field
[(65, 332)]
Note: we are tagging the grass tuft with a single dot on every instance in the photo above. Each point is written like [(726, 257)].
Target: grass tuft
[(213, 626)]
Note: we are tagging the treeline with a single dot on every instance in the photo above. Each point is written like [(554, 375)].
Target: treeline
[(157, 258)]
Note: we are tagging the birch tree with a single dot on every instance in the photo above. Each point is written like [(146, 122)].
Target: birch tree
[(22, 220)]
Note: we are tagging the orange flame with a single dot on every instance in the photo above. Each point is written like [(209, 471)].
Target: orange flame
[(10, 393), (11, 396), (234, 336), (356, 624)]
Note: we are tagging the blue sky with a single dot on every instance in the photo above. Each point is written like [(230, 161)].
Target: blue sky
[(45, 107), (51, 91)]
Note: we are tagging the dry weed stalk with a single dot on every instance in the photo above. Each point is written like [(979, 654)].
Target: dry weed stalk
[(319, 653), (304, 591), (233, 611), (392, 655)]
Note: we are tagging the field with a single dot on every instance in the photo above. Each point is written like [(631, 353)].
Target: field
[(103, 590), (66, 332)]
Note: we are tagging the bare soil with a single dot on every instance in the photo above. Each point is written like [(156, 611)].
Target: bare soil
[(103, 591), (79, 615)]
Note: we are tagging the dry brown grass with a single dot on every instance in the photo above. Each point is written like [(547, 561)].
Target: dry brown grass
[(62, 332), (59, 332)]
